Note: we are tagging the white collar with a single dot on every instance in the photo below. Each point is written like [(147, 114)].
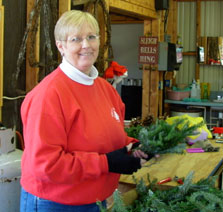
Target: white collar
[(78, 76)]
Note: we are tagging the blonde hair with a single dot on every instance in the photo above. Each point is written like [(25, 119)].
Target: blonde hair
[(71, 20)]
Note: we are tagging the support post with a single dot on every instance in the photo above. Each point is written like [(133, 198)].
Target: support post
[(31, 73), (1, 55)]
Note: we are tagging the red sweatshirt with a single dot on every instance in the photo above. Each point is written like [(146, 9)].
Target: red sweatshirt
[(68, 127)]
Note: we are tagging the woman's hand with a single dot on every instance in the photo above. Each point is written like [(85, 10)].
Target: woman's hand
[(138, 153)]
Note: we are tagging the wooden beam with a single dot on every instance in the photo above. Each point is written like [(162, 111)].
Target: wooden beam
[(127, 21), (64, 5), (123, 19), (102, 63), (142, 9), (31, 73), (150, 90), (1, 55), (145, 93), (195, 0), (154, 92), (189, 53), (80, 2), (172, 20), (103, 37), (146, 78)]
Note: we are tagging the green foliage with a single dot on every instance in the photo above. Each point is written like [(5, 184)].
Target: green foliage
[(189, 197), (161, 137), (119, 205), (101, 207), (134, 131)]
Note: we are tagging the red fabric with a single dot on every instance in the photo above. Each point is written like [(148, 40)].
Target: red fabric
[(218, 130), (114, 69), (68, 127)]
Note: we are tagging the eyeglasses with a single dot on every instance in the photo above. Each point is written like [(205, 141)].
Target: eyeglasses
[(79, 40)]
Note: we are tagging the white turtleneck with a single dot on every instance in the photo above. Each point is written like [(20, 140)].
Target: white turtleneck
[(78, 76)]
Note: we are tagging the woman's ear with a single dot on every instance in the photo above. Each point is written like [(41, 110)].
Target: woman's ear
[(60, 47)]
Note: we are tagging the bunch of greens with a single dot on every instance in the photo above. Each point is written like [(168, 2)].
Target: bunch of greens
[(162, 137), (189, 197), (137, 124), (134, 131)]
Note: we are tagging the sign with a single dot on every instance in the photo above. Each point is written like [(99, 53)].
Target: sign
[(148, 50)]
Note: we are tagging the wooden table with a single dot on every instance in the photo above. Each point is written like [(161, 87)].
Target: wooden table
[(170, 165)]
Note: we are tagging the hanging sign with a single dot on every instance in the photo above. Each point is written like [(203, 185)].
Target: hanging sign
[(148, 50)]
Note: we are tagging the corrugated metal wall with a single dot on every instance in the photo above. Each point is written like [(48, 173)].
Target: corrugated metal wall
[(211, 25)]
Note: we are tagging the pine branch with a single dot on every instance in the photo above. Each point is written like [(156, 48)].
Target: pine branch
[(206, 202), (101, 207), (162, 137), (133, 131), (119, 205), (189, 197)]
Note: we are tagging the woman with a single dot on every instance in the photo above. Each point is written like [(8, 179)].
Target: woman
[(75, 143)]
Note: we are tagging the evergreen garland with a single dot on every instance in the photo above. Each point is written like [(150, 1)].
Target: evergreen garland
[(161, 137), (189, 197)]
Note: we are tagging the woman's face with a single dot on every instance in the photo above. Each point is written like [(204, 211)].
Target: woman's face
[(81, 48)]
